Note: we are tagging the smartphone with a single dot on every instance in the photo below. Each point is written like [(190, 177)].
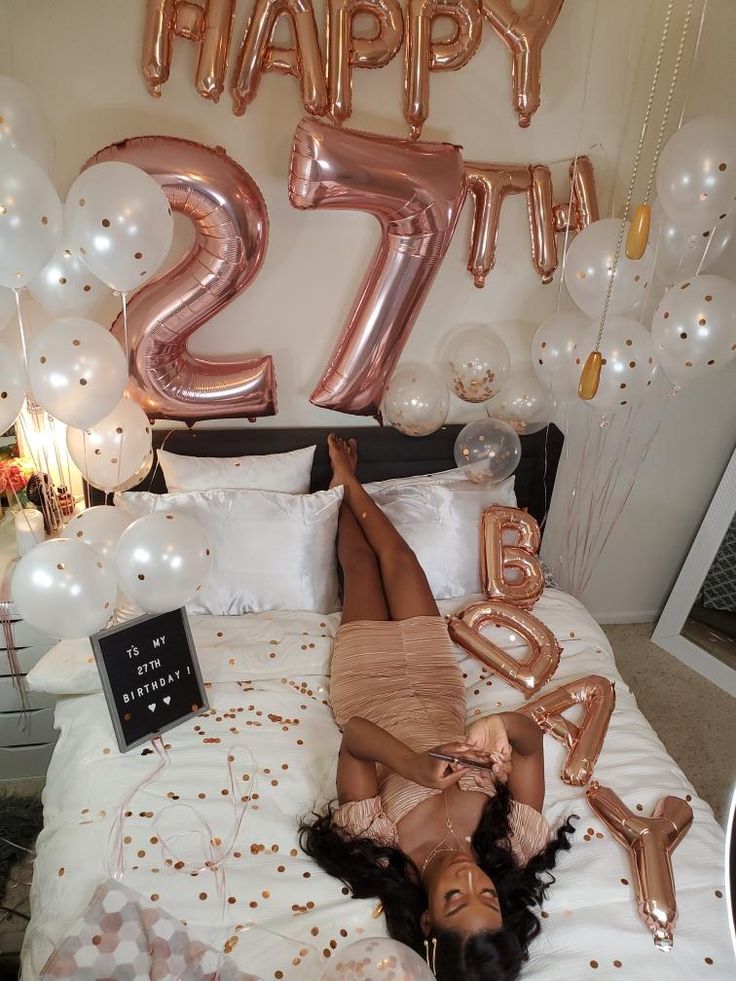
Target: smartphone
[(461, 759)]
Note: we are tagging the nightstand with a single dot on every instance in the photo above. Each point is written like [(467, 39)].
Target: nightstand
[(27, 736)]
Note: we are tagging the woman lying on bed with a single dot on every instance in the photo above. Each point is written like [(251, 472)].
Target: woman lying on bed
[(455, 855)]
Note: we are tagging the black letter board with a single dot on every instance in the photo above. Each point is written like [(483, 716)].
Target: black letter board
[(150, 675)]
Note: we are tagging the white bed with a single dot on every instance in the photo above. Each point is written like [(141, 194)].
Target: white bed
[(268, 682)]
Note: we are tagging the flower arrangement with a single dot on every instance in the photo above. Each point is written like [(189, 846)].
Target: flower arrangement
[(15, 472)]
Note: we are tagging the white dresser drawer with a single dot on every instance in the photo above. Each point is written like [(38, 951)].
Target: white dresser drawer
[(24, 728), (25, 761), (27, 658), (24, 635), (12, 700)]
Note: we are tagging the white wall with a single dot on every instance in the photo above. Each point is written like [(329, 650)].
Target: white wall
[(82, 57)]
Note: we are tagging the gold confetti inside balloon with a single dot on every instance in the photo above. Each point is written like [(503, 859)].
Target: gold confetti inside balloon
[(379, 959)]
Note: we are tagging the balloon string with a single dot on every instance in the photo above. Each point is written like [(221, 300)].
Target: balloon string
[(21, 327), (124, 297), (693, 61), (634, 172)]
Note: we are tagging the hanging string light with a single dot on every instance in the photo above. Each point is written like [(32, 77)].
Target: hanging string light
[(591, 374)]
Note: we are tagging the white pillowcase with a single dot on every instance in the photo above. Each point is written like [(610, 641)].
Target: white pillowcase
[(289, 473), (439, 517), (269, 551)]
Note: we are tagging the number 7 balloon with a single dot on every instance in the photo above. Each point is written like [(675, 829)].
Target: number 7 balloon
[(415, 191)]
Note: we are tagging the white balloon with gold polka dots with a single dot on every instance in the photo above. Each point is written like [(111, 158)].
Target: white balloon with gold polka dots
[(115, 453), (64, 589), (628, 364), (694, 328), (589, 267), (162, 560), (377, 959), (30, 219), (65, 285), (120, 223), (554, 352), (13, 384), (77, 371)]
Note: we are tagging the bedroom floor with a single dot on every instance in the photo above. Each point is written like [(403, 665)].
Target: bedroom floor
[(694, 719)]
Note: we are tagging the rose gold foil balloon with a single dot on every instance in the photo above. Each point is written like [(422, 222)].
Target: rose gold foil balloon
[(509, 572), (650, 841), (584, 742), (424, 55), (524, 32), (230, 223), (528, 675), (259, 54), (209, 26), (489, 185), (346, 50), (415, 191)]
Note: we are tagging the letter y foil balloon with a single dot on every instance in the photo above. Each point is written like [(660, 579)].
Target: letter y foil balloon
[(416, 192), (650, 841), (230, 223)]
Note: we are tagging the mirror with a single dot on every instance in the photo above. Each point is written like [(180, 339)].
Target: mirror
[(698, 623)]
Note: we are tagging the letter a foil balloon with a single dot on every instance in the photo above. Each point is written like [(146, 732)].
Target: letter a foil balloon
[(230, 223), (650, 842), (415, 191)]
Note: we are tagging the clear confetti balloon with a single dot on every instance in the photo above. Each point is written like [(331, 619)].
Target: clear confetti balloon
[(65, 285), (696, 173), (376, 959), (523, 401), (475, 362), (115, 453), (679, 254), (628, 364), (488, 450), (64, 589), (77, 371), (416, 401), (554, 352), (162, 560), (694, 328), (589, 267)]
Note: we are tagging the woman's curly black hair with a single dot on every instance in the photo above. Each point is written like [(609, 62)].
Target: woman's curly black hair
[(370, 870)]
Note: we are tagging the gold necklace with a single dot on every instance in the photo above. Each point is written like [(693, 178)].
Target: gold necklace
[(450, 832)]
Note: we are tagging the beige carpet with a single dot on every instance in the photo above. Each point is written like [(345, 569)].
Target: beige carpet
[(694, 719)]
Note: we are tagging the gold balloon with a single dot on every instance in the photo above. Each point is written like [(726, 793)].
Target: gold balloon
[(584, 741)]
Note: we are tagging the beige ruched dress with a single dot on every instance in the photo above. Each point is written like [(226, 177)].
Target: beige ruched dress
[(403, 676)]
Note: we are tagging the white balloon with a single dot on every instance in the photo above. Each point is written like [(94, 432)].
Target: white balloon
[(65, 284), (13, 384), (554, 352), (680, 255), (64, 589), (7, 306), (120, 222), (475, 361), (162, 560), (115, 453), (30, 218), (99, 527), (523, 401), (589, 265), (694, 328), (376, 959), (416, 401), (696, 173), (628, 367), (23, 123), (77, 371)]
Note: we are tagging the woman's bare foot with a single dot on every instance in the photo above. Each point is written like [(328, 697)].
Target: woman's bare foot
[(343, 457)]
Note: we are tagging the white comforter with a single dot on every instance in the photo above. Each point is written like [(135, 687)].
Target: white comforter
[(276, 911)]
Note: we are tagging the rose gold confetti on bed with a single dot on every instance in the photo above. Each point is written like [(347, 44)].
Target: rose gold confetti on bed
[(315, 931), (61, 871), (708, 960), (586, 837), (97, 940), (343, 933), (545, 915), (594, 964), (253, 904), (141, 854), (306, 875), (618, 964), (599, 834), (155, 897), (203, 895)]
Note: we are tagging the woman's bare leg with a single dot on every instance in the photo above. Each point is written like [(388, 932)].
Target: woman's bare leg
[(405, 585), (363, 597)]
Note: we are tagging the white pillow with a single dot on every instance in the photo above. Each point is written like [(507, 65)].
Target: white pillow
[(439, 517), (288, 473), (269, 551)]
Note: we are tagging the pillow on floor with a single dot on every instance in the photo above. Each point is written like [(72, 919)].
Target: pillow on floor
[(439, 517), (289, 473), (270, 551)]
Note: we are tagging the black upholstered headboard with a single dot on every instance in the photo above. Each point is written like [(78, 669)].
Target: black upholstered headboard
[(383, 453)]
